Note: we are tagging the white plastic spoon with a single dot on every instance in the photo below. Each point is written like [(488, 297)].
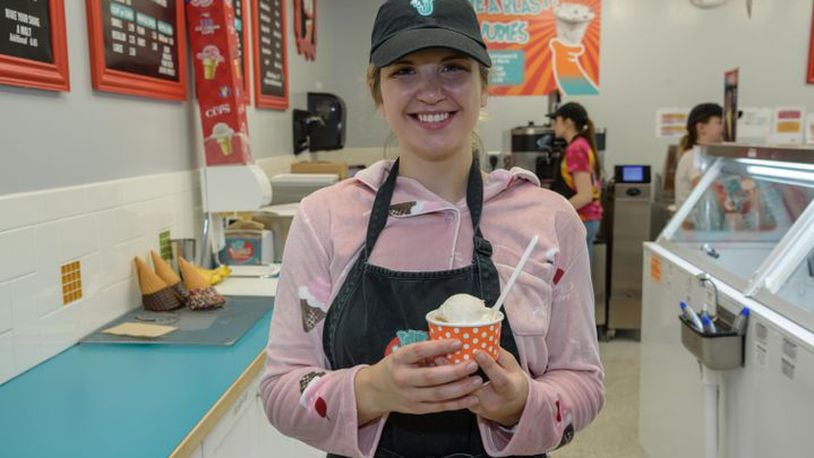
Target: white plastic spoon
[(515, 274)]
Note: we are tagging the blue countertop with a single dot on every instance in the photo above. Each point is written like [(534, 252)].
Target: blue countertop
[(119, 400)]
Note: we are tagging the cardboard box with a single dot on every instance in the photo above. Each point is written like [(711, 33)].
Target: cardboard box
[(340, 168)]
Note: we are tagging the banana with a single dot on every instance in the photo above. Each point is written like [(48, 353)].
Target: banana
[(214, 276)]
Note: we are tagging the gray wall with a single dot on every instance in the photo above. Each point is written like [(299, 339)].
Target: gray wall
[(59, 139), (654, 54), (53, 140)]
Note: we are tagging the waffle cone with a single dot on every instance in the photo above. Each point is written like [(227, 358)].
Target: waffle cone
[(192, 278), (148, 281), (164, 270), (161, 301)]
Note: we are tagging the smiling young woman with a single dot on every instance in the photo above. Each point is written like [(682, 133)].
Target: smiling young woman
[(351, 369)]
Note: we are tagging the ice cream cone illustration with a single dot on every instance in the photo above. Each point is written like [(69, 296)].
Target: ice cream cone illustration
[(155, 294), (210, 57), (222, 134), (201, 295), (169, 276), (567, 48)]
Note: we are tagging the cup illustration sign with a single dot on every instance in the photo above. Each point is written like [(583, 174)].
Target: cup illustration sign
[(211, 57), (222, 134), (572, 22), (567, 48), (468, 319)]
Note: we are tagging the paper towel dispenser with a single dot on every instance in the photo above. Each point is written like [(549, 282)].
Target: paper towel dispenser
[(321, 127)]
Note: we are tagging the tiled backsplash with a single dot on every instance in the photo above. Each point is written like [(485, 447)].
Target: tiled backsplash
[(103, 226)]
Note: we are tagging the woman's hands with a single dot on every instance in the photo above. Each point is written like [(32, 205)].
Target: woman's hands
[(503, 398), (407, 381)]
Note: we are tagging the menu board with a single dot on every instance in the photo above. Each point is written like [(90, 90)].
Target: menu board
[(140, 37), (271, 81), (135, 47), (33, 49), (25, 30)]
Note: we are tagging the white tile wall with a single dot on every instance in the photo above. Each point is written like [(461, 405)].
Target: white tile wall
[(24, 211), (6, 356), (103, 226), (17, 249), (27, 336), (6, 320)]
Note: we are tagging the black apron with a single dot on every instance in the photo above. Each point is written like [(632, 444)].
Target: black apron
[(375, 303)]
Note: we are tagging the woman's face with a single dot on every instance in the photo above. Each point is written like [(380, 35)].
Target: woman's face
[(557, 126), (432, 99), (561, 126), (711, 131)]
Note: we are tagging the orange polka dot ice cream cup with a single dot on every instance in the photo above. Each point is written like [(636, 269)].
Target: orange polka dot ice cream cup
[(484, 336)]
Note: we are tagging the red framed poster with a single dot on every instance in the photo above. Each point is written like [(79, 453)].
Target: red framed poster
[(270, 54), (810, 75), (33, 46), (241, 26), (138, 48), (305, 28)]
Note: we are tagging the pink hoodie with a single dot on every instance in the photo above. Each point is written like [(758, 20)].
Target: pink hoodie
[(550, 307)]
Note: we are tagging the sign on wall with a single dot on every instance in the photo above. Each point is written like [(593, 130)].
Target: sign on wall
[(305, 28), (270, 54), (541, 45), (217, 63), (33, 49), (136, 45)]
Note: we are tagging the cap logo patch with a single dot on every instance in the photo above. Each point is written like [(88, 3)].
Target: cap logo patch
[(424, 7)]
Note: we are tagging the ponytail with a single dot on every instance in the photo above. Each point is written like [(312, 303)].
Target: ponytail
[(588, 132), (689, 140)]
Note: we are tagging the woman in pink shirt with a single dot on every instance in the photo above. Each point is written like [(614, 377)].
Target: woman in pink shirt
[(350, 369), (579, 179)]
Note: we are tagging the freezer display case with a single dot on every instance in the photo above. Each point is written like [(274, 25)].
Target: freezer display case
[(744, 206), (744, 238)]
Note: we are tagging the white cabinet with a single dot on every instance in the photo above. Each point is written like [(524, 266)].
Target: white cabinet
[(244, 431)]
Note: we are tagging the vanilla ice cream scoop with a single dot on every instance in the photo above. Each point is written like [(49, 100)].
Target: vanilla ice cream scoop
[(465, 309), (573, 12)]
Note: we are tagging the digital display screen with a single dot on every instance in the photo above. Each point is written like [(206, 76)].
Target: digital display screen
[(633, 174)]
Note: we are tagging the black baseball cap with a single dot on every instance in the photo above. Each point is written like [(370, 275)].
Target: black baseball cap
[(702, 112), (573, 111), (406, 26)]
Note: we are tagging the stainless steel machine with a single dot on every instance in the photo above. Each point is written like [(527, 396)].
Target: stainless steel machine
[(632, 191), (535, 148)]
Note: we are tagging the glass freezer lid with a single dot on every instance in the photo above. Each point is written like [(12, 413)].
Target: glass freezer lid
[(798, 290), (747, 206)]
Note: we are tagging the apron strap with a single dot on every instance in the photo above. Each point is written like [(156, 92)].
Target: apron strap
[(381, 209)]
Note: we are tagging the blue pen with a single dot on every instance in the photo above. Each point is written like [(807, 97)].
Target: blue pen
[(689, 313), (739, 325), (707, 324)]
